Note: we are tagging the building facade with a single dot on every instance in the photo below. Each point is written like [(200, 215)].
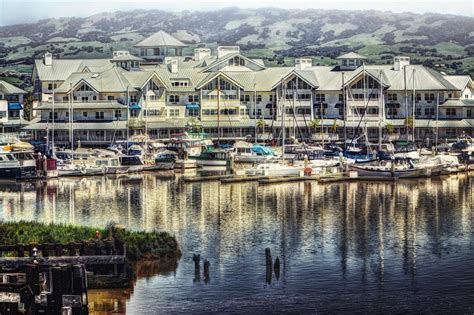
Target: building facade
[(11, 107), (229, 95)]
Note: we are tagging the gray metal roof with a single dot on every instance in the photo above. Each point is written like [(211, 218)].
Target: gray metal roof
[(81, 105), (110, 125), (8, 88), (160, 39), (61, 69), (458, 103), (351, 55), (459, 81)]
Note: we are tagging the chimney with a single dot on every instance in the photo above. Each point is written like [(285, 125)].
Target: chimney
[(399, 62), (303, 63), (225, 50), (48, 59), (201, 53), (172, 64)]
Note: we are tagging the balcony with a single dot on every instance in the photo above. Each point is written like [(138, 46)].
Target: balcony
[(136, 123)]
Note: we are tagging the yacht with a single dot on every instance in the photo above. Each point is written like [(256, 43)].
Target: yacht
[(275, 169)]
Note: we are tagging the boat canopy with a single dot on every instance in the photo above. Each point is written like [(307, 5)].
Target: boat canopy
[(262, 150), (135, 106)]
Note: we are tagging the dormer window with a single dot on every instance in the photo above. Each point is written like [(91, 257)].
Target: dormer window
[(180, 83), (84, 87), (236, 61)]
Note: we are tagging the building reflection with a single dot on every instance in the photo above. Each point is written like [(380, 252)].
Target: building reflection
[(359, 228)]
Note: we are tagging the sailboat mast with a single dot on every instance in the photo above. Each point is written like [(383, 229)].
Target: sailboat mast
[(414, 105), (283, 123), (71, 120), (406, 97), (218, 111), (437, 116), (344, 109), (52, 136), (381, 113), (146, 122)]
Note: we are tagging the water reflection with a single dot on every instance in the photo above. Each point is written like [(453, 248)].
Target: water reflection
[(385, 246)]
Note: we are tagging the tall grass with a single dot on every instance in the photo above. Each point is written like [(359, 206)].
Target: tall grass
[(139, 244)]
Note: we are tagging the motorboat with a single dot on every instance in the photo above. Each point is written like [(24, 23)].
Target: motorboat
[(275, 169), (216, 157), (245, 152)]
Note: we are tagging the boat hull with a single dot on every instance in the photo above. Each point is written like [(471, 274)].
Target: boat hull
[(376, 172), (20, 172)]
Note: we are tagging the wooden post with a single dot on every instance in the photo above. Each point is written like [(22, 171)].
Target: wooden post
[(207, 264), (268, 260), (197, 267)]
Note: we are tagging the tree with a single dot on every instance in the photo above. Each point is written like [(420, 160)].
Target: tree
[(27, 107), (313, 124), (260, 124), (409, 122), (390, 129), (194, 125)]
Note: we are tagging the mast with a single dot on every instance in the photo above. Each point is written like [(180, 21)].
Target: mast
[(52, 136), (218, 111), (364, 78), (344, 110), (406, 96), (146, 120), (414, 105), (128, 117), (255, 110), (381, 114), (437, 116), (283, 124), (71, 120)]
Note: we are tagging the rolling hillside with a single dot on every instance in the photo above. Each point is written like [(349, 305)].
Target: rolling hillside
[(445, 42)]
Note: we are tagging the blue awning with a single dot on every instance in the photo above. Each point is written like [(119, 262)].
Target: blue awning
[(192, 106), (135, 106), (13, 106)]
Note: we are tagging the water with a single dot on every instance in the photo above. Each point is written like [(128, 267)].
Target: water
[(356, 247)]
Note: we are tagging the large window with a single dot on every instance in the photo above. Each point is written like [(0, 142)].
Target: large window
[(174, 98), (193, 112), (173, 112), (193, 98), (429, 97), (320, 97), (99, 115), (392, 97), (450, 111), (118, 114)]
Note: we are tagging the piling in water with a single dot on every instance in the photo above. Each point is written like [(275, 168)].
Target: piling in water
[(207, 277), (197, 268), (276, 267), (269, 265)]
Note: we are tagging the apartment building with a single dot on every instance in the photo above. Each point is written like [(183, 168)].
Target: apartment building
[(228, 93), (11, 107)]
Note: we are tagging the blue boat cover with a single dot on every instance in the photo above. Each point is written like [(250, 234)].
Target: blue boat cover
[(262, 150), (135, 106), (15, 106)]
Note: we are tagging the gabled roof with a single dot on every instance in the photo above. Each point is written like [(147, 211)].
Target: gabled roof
[(214, 75), (8, 88), (160, 39), (351, 55), (459, 81), (61, 69), (376, 74), (306, 75), (458, 103), (229, 56)]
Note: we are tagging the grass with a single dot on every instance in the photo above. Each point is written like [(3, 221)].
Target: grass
[(140, 245)]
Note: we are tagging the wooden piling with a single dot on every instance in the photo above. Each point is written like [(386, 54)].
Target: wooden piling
[(276, 268), (197, 267), (207, 277), (268, 263)]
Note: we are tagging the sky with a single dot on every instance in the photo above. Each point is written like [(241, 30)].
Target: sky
[(24, 11)]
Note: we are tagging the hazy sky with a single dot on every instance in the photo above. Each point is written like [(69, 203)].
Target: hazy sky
[(21, 11)]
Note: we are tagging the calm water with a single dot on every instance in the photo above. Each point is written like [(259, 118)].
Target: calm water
[(358, 247)]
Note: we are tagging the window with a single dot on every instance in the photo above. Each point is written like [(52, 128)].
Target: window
[(99, 133), (173, 112), (450, 111), (429, 111), (466, 96), (392, 97), (244, 98), (152, 112), (320, 97), (133, 98), (3, 113), (174, 98), (65, 98), (271, 98), (193, 112), (51, 115), (429, 97), (84, 114), (118, 114), (85, 87), (244, 111), (450, 132), (341, 97), (304, 96), (450, 95), (85, 99), (193, 98), (392, 112), (50, 86), (228, 111), (418, 112), (418, 97), (99, 115), (156, 51), (303, 111), (110, 98), (179, 83), (469, 113), (259, 98)]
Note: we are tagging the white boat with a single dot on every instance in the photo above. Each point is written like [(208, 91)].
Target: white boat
[(112, 165), (274, 169), (212, 158), (183, 164), (403, 171), (245, 152)]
